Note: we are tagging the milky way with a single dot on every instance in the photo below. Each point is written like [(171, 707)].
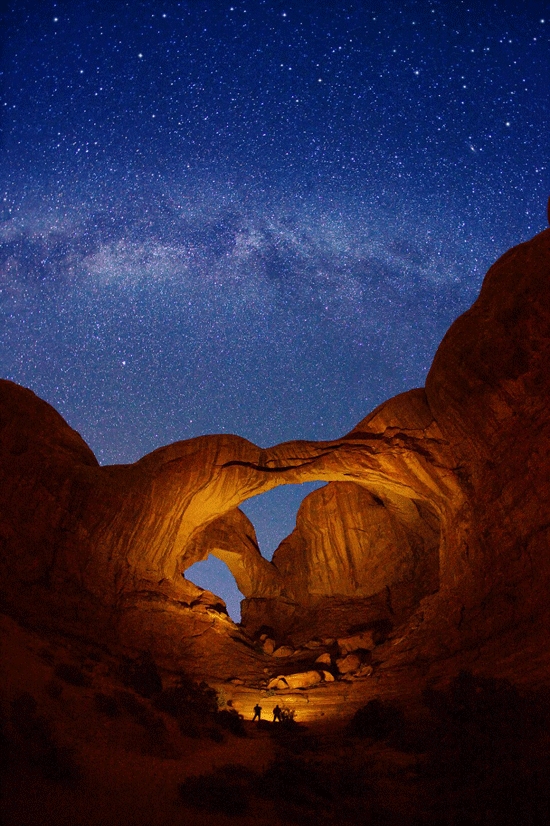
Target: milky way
[(257, 218)]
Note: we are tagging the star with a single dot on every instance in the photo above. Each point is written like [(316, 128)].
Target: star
[(268, 257)]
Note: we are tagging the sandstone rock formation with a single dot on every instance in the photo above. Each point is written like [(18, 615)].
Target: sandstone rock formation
[(488, 389), (357, 642), (232, 539), (380, 549), (435, 518)]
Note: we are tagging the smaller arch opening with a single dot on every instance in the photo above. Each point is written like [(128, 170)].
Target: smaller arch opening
[(215, 576)]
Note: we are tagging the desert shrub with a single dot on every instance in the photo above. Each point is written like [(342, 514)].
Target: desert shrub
[(54, 689), (141, 675), (294, 740), (26, 721), (187, 699), (217, 792), (230, 720), (106, 704), (237, 773), (59, 766), (140, 711), (155, 738), (377, 720), (288, 715), (55, 762), (489, 752), (296, 781), (480, 704), (72, 674), (46, 655), (350, 781)]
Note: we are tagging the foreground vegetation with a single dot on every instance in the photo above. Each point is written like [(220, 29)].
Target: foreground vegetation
[(475, 753)]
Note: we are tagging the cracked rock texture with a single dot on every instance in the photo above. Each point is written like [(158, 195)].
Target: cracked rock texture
[(351, 542), (436, 518)]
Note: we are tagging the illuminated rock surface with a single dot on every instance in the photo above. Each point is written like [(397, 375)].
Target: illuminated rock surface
[(435, 520), (427, 552)]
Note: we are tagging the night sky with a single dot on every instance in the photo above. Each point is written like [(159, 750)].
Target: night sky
[(256, 218)]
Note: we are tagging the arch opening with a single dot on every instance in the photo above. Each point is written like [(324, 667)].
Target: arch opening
[(214, 575), (358, 555), (343, 541), (273, 518), (273, 513)]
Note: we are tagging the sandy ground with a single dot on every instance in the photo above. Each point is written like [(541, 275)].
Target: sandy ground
[(126, 769), (125, 775)]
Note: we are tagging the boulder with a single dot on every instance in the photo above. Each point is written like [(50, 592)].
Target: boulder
[(304, 679), (348, 664), (277, 683), (313, 644), (324, 659), (357, 642), (283, 651)]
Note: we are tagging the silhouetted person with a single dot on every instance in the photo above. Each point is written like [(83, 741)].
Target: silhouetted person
[(276, 714), (257, 712)]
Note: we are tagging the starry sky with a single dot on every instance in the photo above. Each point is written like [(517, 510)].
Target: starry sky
[(255, 217)]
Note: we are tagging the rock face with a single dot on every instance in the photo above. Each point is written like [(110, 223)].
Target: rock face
[(41, 457), (488, 388), (232, 539), (350, 542), (435, 518)]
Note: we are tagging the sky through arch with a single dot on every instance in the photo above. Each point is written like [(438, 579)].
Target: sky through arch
[(273, 515)]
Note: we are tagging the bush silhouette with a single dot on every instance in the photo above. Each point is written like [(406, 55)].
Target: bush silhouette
[(106, 704), (141, 711), (220, 792), (377, 720), (490, 751), (295, 781), (230, 720), (194, 705), (72, 674), (55, 762), (479, 703), (141, 675), (187, 697)]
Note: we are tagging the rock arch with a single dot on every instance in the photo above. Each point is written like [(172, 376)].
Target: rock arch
[(470, 450), (182, 499)]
